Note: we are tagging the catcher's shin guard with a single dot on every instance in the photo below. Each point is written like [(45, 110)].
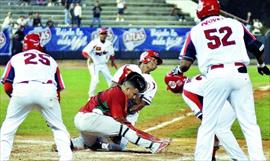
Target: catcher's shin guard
[(143, 139)]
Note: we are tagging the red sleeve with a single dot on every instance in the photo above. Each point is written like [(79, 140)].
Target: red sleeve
[(59, 80), (8, 88), (85, 54)]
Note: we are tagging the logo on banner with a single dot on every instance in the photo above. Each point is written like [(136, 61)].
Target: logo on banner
[(2, 39), (133, 38), (110, 36), (166, 37), (44, 33)]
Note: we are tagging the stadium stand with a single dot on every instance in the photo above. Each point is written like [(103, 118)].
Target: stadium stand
[(139, 13)]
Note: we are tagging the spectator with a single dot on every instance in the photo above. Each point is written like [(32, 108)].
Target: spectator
[(37, 20), (50, 23), (178, 14), (29, 20), (121, 6), (248, 22), (66, 10), (40, 2), (71, 12), (25, 2), (78, 14), (257, 25), (8, 22), (21, 21), (17, 40), (96, 15)]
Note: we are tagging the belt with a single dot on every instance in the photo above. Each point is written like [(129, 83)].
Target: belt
[(48, 82), (222, 65)]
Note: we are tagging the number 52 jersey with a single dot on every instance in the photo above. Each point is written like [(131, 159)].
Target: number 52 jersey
[(217, 40)]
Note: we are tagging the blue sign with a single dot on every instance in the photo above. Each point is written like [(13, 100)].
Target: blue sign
[(123, 39), (4, 43)]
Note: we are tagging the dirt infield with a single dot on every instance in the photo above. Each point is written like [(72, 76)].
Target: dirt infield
[(180, 149)]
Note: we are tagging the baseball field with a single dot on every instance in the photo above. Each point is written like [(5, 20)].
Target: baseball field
[(168, 116)]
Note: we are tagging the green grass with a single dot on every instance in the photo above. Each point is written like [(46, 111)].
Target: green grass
[(76, 94)]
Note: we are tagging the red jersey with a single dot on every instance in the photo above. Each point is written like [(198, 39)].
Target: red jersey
[(113, 102)]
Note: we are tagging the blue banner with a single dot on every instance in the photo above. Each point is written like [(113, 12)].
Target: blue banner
[(4, 43), (123, 39)]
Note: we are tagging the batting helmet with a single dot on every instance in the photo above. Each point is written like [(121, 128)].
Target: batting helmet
[(32, 41), (207, 8), (175, 83), (103, 30), (148, 55)]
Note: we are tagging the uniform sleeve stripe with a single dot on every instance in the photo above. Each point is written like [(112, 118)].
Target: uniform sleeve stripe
[(249, 33), (186, 44), (59, 80), (197, 99), (146, 100), (186, 58), (7, 71)]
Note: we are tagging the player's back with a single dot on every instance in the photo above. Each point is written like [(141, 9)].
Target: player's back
[(219, 40), (33, 65)]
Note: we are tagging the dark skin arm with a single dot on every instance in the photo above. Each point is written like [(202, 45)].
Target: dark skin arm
[(185, 65)]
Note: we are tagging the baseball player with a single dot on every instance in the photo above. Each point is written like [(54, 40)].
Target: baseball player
[(105, 115), (33, 78), (149, 61), (220, 46), (192, 90), (98, 52)]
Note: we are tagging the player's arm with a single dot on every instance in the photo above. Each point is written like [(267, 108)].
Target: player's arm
[(60, 83), (88, 48), (187, 57), (257, 49), (112, 56), (7, 79)]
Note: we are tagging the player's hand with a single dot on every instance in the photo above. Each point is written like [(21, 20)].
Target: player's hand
[(176, 71), (263, 69)]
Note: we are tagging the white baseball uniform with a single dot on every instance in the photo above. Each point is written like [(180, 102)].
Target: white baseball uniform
[(146, 96), (100, 54), (36, 78), (193, 96), (219, 45)]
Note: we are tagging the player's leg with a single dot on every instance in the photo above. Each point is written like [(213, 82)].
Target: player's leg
[(94, 79), (225, 135), (132, 118), (17, 111), (107, 126), (85, 140), (243, 102), (107, 75), (217, 89), (51, 111)]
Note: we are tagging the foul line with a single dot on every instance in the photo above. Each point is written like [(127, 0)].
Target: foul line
[(167, 122), (146, 130)]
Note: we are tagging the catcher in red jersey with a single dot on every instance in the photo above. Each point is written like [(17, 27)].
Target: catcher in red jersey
[(32, 77), (105, 115)]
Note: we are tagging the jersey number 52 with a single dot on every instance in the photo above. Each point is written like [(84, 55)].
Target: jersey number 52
[(215, 40)]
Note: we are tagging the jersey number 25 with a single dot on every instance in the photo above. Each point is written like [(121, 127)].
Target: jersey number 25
[(215, 40), (32, 58)]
